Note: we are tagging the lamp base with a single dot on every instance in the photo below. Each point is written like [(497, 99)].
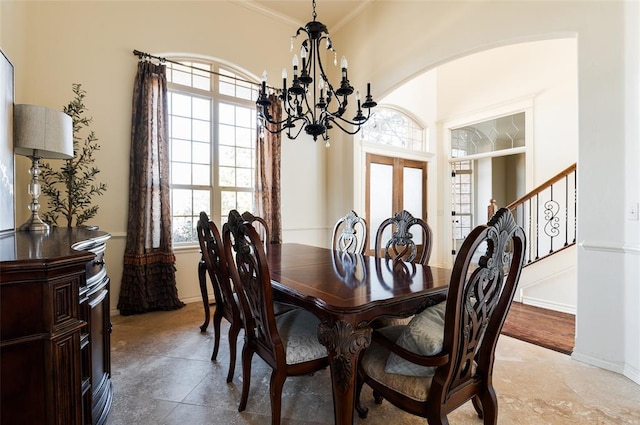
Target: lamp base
[(34, 224)]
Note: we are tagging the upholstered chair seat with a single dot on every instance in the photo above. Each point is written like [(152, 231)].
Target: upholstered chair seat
[(298, 331)]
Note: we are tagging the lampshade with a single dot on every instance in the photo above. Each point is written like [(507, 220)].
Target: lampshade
[(42, 132)]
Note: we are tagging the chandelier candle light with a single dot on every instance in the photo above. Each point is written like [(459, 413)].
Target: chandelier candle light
[(307, 103)]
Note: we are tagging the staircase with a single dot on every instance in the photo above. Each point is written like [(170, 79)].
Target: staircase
[(548, 216)]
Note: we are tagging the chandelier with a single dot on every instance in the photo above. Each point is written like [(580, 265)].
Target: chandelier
[(311, 100)]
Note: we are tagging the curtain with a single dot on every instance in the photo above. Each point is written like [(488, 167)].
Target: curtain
[(148, 277), (267, 190)]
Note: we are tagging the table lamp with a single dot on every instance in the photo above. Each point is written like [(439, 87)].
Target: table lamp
[(40, 132)]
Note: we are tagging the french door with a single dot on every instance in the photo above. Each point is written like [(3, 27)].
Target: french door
[(393, 185)]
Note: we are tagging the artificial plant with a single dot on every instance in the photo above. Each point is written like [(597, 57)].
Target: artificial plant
[(71, 188)]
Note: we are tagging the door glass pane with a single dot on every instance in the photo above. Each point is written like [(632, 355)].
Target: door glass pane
[(380, 198), (412, 196)]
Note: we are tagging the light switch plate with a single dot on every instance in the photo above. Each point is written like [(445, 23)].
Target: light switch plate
[(632, 211)]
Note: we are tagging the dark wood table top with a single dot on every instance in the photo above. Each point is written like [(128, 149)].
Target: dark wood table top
[(349, 283)]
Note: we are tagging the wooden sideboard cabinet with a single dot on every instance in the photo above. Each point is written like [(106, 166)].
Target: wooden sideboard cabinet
[(55, 363)]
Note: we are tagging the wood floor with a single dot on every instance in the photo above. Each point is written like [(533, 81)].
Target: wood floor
[(546, 328)]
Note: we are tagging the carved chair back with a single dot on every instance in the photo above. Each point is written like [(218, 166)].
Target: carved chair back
[(480, 295), (402, 244), (226, 304), (350, 234), (214, 259), (260, 224), (298, 341), (250, 273), (483, 282)]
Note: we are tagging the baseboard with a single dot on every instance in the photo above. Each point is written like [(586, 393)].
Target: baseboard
[(632, 373), (602, 364), (549, 305), (113, 313)]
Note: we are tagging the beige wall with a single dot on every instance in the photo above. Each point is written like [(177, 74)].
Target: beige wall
[(54, 44), (422, 35)]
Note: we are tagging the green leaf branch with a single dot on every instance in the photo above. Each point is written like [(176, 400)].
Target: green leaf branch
[(71, 189)]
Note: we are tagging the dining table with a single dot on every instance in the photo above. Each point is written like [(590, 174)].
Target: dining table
[(347, 292)]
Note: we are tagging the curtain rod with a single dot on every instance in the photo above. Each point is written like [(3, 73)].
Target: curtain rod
[(144, 55)]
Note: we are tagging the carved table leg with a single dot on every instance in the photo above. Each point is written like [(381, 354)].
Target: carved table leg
[(344, 341), (202, 279)]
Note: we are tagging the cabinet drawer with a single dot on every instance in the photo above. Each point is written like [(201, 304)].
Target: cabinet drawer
[(95, 268)]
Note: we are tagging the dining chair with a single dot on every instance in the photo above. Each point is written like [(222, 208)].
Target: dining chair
[(350, 234), (444, 357), (401, 245), (227, 305), (288, 343), (261, 227)]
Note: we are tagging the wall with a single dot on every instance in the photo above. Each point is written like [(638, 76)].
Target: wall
[(55, 44), (422, 35)]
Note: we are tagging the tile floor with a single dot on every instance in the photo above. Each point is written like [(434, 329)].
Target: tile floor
[(162, 374)]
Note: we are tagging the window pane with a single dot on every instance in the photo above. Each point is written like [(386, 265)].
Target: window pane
[(243, 117), (244, 137), (227, 134), (181, 105), (180, 173), (180, 127), (181, 202), (201, 175), (244, 201), (226, 114), (244, 157), (180, 150), (201, 109), (227, 155), (202, 201), (201, 130), (228, 203), (243, 176), (392, 127), (227, 176), (182, 229), (201, 82), (201, 153), (493, 135)]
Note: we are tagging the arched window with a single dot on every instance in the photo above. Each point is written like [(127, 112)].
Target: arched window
[(388, 126), (212, 132)]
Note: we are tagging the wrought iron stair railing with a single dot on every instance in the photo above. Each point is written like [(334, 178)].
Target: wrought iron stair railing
[(548, 215)]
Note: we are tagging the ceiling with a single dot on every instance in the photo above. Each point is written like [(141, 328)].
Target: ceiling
[(332, 13)]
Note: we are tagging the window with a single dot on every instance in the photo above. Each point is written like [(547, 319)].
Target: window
[(461, 201), (499, 134), (212, 129), (391, 127)]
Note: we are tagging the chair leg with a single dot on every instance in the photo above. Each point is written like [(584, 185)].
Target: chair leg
[(234, 330), (477, 404), (217, 319), (275, 391), (489, 407), (377, 397), (362, 411), (247, 355)]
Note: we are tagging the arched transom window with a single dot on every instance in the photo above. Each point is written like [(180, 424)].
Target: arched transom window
[(392, 127)]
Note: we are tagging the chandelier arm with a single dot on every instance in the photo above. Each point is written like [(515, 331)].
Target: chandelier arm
[(350, 132), (347, 121), (269, 120)]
